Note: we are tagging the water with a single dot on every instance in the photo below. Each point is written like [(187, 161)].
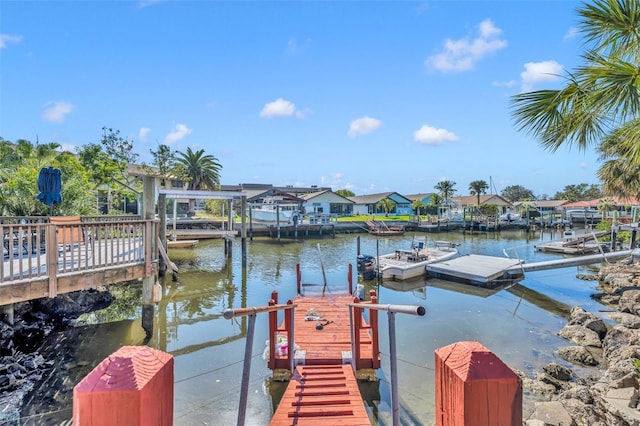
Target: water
[(518, 323)]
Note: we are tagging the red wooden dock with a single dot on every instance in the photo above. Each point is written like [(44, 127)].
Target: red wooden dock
[(324, 389), (322, 395)]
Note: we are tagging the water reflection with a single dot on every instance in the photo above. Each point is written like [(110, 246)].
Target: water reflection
[(518, 322)]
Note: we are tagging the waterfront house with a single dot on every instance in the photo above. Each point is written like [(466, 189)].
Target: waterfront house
[(485, 199), (327, 201), (369, 204)]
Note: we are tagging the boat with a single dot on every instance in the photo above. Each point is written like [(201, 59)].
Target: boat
[(382, 228), (510, 217), (272, 210), (407, 264), (181, 243)]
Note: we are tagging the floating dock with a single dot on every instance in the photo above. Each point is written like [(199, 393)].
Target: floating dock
[(489, 271), (475, 269)]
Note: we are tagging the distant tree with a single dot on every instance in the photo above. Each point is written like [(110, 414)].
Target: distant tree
[(580, 192), (163, 159), (417, 206), (345, 193), (387, 205), (446, 189), (477, 188), (517, 193), (201, 170)]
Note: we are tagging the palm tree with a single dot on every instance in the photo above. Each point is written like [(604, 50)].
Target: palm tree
[(599, 106), (387, 205), (478, 187), (200, 170), (446, 189), (417, 206)]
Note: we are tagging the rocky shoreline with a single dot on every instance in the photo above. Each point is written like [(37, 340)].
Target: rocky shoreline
[(22, 364), (608, 396)]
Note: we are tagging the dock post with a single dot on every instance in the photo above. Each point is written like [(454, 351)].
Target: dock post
[(375, 335), (298, 278), (243, 230), (350, 278), (273, 327), (132, 386), (148, 208), (474, 387)]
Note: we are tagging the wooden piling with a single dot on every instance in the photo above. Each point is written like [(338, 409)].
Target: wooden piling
[(474, 387), (133, 386)]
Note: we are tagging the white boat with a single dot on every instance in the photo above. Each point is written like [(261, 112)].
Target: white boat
[(510, 217), (271, 211), (407, 264)]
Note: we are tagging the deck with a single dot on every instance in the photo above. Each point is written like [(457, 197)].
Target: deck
[(324, 388), (322, 395)]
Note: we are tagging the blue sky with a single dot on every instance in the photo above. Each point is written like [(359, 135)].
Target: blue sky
[(370, 96)]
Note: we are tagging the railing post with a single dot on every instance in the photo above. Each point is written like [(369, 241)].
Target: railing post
[(288, 321), (52, 259), (394, 368), (246, 370), (357, 326), (273, 327), (375, 335)]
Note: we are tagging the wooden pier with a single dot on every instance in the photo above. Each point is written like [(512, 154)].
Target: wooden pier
[(333, 345)]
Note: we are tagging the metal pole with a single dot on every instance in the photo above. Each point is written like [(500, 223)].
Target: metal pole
[(246, 370), (394, 370)]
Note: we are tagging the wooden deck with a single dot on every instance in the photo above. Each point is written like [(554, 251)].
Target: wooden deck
[(322, 395), (331, 344), (324, 389)]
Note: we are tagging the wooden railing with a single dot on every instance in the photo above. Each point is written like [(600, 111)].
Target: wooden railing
[(36, 252)]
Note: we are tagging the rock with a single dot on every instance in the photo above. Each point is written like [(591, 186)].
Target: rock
[(578, 355), (558, 372), (551, 413), (69, 306), (586, 319), (617, 402), (630, 302), (581, 335), (626, 319)]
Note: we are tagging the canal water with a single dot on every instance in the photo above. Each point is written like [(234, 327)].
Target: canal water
[(519, 323)]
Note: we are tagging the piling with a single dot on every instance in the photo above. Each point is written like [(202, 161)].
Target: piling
[(133, 386), (475, 388)]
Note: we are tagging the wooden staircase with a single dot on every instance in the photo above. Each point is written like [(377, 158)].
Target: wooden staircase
[(322, 395)]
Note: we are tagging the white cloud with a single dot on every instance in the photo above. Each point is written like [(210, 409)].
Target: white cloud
[(428, 135), (294, 48), (362, 126), (463, 54), (143, 133), (180, 131), (280, 108), (57, 111), (5, 39), (572, 33), (507, 84), (540, 72)]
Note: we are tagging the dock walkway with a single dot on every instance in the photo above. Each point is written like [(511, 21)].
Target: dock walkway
[(323, 389)]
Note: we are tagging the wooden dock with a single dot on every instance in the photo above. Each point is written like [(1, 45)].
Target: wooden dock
[(322, 395), (323, 389)]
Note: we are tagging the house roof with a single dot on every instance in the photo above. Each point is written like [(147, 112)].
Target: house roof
[(415, 197), (544, 204), (374, 198), (312, 195), (472, 200)]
